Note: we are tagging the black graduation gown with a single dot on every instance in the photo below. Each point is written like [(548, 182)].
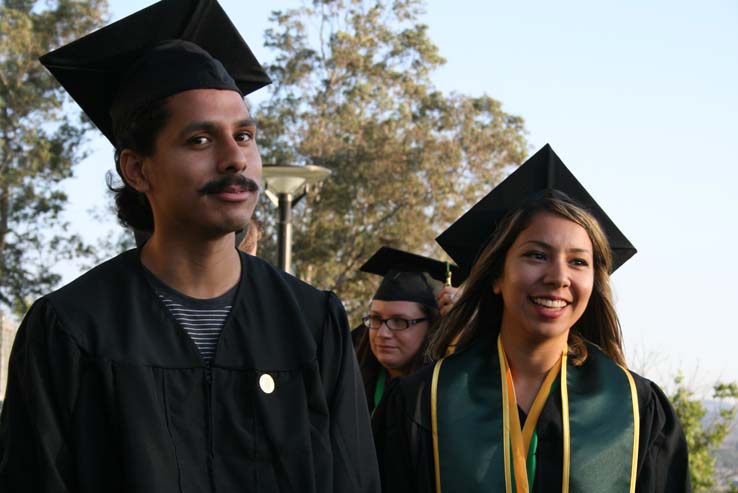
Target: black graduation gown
[(402, 433), (369, 366), (107, 394)]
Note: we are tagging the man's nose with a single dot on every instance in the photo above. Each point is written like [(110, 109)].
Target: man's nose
[(231, 157)]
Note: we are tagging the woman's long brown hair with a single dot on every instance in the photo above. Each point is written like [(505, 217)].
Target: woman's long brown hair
[(479, 311)]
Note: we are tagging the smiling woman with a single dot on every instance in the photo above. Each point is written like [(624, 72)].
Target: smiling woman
[(536, 396)]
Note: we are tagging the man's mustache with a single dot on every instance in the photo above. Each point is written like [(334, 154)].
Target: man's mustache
[(221, 184)]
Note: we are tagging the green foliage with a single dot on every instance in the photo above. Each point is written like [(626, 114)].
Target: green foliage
[(116, 241), (704, 436), (39, 144), (352, 92)]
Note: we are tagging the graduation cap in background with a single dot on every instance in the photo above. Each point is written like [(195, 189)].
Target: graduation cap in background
[(410, 277), (115, 68), (466, 237)]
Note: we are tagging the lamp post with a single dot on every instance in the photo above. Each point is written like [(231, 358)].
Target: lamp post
[(285, 185)]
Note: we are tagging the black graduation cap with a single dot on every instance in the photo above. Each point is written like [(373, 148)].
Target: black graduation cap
[(466, 237), (97, 68), (410, 277)]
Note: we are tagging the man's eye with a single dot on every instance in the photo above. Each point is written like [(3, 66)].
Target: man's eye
[(198, 140), (244, 136)]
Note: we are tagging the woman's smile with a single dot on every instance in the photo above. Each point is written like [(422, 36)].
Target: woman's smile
[(547, 278)]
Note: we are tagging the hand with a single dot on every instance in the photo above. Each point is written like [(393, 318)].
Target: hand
[(446, 298)]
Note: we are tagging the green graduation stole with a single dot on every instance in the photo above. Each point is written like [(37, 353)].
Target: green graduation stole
[(477, 448), (379, 386)]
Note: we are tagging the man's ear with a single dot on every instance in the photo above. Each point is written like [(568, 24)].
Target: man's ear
[(132, 169)]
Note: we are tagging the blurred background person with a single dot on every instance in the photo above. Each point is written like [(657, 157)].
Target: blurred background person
[(402, 314)]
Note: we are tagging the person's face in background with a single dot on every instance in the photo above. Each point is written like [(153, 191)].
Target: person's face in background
[(395, 350)]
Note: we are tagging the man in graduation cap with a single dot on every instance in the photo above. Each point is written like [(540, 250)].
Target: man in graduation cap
[(537, 396), (183, 366), (402, 315)]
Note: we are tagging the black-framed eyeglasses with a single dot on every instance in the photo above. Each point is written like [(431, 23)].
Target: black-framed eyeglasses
[(393, 323)]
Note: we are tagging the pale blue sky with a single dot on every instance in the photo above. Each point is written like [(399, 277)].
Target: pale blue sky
[(640, 100)]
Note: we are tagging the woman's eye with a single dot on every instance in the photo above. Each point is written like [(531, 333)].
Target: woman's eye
[(580, 262), (535, 255)]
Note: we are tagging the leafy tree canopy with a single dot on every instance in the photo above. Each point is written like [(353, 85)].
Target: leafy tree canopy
[(705, 435), (352, 92), (40, 141)]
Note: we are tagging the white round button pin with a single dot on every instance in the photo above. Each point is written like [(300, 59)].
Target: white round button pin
[(266, 382)]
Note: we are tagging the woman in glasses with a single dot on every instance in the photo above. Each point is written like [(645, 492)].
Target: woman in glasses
[(403, 312)]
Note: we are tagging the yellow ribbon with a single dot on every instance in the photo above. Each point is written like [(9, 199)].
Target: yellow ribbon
[(514, 436), (516, 441)]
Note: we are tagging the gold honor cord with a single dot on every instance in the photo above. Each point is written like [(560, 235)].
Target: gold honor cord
[(434, 421), (636, 429), (598, 394), (567, 435), (511, 421), (565, 428), (505, 415)]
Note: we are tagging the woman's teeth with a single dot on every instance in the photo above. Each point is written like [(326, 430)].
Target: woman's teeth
[(549, 303)]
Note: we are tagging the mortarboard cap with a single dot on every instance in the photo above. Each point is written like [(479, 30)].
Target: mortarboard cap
[(466, 237), (409, 277), (197, 47)]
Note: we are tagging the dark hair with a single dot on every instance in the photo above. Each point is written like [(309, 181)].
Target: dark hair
[(478, 309), (137, 131)]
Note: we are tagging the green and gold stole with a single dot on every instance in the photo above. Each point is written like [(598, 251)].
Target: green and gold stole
[(379, 387), (479, 445)]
